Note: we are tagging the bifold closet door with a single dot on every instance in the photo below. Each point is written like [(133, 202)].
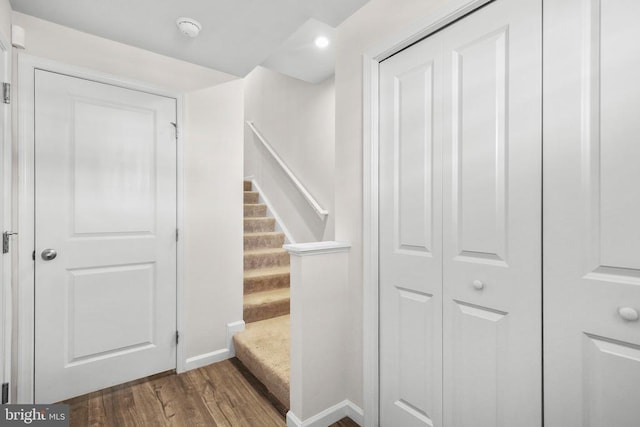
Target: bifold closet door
[(460, 224), (492, 217), (411, 237), (592, 213)]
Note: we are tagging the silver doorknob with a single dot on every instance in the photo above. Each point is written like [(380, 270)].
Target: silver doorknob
[(629, 314), (478, 285), (49, 254)]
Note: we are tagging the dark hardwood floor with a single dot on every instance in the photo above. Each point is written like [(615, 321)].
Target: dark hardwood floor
[(223, 394)]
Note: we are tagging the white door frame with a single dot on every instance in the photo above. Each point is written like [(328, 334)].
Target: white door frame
[(27, 65), (370, 69), (5, 221)]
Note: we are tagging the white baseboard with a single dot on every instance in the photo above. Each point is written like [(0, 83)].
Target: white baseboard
[(232, 329), (355, 413), (279, 224), (331, 415), (219, 355), (206, 359)]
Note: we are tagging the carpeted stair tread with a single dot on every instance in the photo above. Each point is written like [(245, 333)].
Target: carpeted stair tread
[(251, 197), (263, 258), (247, 185), (263, 347), (266, 304), (252, 210), (264, 279), (263, 239), (259, 224)]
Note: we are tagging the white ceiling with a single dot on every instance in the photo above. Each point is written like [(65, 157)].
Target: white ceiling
[(237, 35), (299, 57)]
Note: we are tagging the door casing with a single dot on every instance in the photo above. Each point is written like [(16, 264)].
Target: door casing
[(5, 220), (370, 102), (27, 65)]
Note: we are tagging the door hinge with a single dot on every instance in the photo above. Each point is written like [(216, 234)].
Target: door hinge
[(5, 393), (6, 93), (33, 255), (175, 125), (5, 240), (177, 234), (177, 337)]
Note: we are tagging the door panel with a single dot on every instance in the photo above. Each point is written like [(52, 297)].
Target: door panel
[(592, 205), (410, 238), (612, 380), (113, 186), (479, 344), (478, 142), (106, 202), (94, 331), (492, 217)]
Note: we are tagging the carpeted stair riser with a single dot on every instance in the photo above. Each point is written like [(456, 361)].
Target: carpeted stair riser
[(263, 240), (251, 197), (253, 210), (247, 185), (264, 260), (266, 311), (266, 282), (259, 225)]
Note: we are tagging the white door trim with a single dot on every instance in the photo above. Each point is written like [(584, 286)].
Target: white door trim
[(5, 222), (27, 65), (370, 102)]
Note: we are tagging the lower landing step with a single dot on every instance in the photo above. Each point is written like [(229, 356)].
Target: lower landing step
[(263, 348)]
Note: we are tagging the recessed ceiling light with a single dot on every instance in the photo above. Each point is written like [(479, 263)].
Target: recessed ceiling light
[(321, 42), (189, 26)]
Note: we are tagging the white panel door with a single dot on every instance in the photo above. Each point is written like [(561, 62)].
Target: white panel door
[(592, 213), (411, 237), (105, 192), (492, 217)]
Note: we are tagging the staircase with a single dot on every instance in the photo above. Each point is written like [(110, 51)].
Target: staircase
[(263, 347)]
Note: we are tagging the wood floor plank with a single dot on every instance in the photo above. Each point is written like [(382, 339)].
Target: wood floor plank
[(241, 403), (97, 414), (117, 406), (80, 413), (150, 411), (345, 422), (224, 394)]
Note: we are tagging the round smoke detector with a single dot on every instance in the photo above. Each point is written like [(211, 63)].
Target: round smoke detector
[(189, 27)]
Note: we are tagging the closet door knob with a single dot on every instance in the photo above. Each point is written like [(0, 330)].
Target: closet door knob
[(478, 285), (629, 314)]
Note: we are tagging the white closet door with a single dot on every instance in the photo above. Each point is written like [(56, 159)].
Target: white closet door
[(592, 213), (492, 217), (411, 237)]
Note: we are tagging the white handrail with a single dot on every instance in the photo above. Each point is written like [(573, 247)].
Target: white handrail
[(322, 213)]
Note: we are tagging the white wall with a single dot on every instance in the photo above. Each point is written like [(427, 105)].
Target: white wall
[(297, 119), (5, 19), (213, 205), (48, 40), (376, 21)]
